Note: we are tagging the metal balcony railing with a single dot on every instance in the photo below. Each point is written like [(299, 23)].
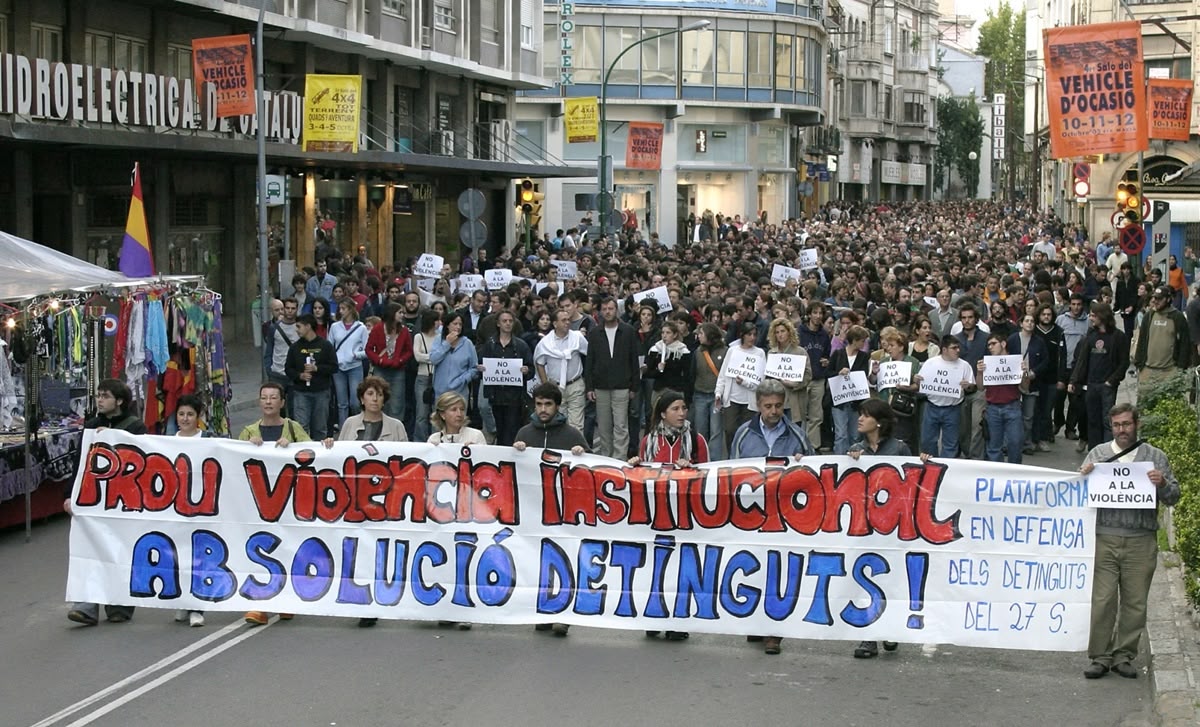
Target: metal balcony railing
[(496, 141)]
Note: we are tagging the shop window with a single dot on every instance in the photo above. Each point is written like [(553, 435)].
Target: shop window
[(698, 55), (443, 16), (45, 41), (758, 60), (658, 59), (731, 58)]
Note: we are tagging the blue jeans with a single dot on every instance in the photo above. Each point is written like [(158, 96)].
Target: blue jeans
[(845, 427), (346, 385), (1006, 429), (395, 381), (312, 411), (422, 429), (1099, 398), (707, 422), (940, 421)]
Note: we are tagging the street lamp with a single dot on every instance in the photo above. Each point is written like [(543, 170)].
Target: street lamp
[(605, 165)]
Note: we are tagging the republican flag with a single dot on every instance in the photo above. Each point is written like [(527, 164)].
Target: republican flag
[(136, 260)]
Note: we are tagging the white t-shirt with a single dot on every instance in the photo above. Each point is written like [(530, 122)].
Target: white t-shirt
[(959, 371)]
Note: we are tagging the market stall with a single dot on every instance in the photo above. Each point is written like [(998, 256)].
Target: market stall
[(66, 325)]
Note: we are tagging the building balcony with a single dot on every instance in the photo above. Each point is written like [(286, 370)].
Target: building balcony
[(865, 53), (912, 62), (858, 127), (915, 133)]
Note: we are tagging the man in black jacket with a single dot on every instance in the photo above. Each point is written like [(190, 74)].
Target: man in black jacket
[(1100, 365), (610, 373), (508, 402), (113, 411), (548, 429), (311, 362)]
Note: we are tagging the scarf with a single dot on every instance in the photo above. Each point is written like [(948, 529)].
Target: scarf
[(671, 434), (549, 347), (676, 349)]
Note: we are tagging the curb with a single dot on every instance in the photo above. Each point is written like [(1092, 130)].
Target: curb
[(1174, 647)]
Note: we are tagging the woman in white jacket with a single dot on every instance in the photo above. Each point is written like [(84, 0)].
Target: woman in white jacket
[(349, 338), (734, 395)]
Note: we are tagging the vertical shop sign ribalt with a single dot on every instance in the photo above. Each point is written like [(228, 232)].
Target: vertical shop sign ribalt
[(566, 45)]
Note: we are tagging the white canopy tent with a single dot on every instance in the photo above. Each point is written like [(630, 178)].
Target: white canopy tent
[(28, 269)]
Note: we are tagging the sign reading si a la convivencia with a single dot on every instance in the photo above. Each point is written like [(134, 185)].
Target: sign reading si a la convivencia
[(52, 91), (963, 552)]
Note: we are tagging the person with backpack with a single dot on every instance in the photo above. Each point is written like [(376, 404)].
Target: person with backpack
[(282, 334), (114, 410)]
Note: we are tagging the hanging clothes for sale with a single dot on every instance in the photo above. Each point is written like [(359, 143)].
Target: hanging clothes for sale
[(135, 351)]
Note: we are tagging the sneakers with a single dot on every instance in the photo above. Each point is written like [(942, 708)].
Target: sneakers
[(1041, 446), (181, 614), (1081, 446), (677, 635), (866, 650), (560, 629), (772, 645), (196, 618)]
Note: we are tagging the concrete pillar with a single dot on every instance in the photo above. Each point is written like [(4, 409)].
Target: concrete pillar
[(23, 193)]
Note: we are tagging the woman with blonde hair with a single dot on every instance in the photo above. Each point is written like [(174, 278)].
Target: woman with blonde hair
[(782, 338), (449, 420)]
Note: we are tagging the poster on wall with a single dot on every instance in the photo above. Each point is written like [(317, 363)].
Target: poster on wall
[(644, 147), (227, 64), (331, 111), (1095, 92), (582, 118)]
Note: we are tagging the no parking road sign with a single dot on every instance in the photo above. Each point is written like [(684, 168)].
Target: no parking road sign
[(1132, 239)]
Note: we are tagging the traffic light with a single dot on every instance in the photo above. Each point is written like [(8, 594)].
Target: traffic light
[(525, 195), (1129, 201)]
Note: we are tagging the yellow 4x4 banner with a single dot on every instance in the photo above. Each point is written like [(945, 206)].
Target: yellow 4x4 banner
[(331, 111)]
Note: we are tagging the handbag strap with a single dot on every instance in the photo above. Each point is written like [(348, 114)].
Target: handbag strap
[(711, 366)]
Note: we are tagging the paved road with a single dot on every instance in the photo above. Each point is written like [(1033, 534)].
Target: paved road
[(320, 672)]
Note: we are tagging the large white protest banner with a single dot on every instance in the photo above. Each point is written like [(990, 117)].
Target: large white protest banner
[(503, 372), (750, 367), (999, 370), (781, 274), (957, 551), (893, 373), (1122, 485), (786, 366), (851, 387), (429, 265)]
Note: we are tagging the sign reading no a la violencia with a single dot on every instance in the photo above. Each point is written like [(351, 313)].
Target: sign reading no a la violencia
[(331, 112)]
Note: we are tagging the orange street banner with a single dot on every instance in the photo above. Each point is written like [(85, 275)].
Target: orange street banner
[(1095, 89), (644, 148), (331, 112), (1170, 108), (227, 63)]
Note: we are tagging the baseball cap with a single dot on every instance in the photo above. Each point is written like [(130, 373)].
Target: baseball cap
[(1161, 291)]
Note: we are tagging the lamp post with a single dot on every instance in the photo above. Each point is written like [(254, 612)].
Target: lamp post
[(605, 166), (264, 279)]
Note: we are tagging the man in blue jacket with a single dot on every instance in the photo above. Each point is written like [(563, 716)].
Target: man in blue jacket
[(770, 434)]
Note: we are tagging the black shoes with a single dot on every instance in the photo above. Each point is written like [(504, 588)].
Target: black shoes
[(1125, 669), (867, 650), (1095, 670), (366, 623), (80, 616)]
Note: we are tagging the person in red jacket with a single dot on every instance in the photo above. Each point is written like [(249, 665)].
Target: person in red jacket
[(671, 440), (390, 349)]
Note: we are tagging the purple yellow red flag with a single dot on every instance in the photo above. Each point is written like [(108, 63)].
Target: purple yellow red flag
[(136, 260)]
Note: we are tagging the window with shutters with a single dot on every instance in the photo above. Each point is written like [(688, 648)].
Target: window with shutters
[(530, 20), (443, 16)]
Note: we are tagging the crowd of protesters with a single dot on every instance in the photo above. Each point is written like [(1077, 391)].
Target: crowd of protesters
[(360, 352)]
